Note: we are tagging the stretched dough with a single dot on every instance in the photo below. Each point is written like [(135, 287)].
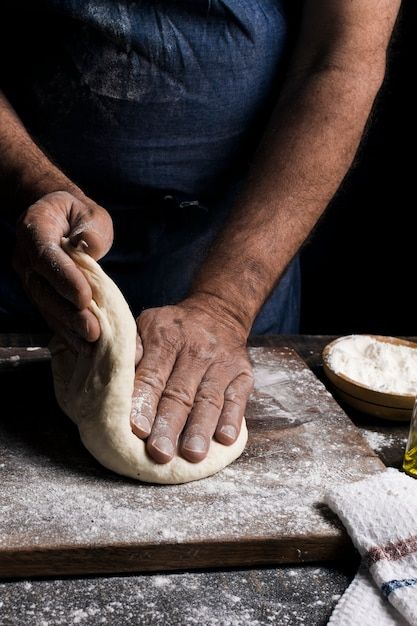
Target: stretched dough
[(95, 391)]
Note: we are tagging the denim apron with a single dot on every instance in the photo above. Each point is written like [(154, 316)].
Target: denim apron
[(155, 109)]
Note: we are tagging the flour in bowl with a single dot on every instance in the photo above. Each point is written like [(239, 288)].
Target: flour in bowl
[(382, 366)]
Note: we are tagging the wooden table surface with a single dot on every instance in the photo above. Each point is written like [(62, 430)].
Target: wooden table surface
[(284, 595)]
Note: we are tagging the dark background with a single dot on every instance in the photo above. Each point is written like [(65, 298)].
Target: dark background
[(359, 266)]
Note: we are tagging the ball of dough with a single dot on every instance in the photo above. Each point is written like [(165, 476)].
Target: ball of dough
[(95, 391)]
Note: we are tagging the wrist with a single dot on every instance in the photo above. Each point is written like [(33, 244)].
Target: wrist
[(33, 187), (221, 309)]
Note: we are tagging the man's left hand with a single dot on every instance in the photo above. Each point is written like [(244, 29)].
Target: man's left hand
[(192, 381)]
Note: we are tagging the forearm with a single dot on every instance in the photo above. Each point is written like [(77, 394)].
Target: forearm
[(308, 149), (338, 67), (26, 173)]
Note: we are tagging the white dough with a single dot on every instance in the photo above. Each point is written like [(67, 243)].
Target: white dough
[(95, 391)]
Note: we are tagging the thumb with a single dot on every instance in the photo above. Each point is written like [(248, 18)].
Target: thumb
[(92, 225), (92, 241)]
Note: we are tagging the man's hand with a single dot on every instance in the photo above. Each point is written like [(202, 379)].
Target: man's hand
[(194, 372), (49, 275)]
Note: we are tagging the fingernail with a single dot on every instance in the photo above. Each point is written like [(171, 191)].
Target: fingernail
[(195, 444), (164, 445), (141, 422), (229, 431)]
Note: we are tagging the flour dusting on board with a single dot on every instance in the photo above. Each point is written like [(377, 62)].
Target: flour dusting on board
[(378, 441), (300, 442)]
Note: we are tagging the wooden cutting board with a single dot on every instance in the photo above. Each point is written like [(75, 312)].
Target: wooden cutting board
[(62, 513)]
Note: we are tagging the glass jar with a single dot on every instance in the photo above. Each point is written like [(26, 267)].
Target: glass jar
[(410, 456)]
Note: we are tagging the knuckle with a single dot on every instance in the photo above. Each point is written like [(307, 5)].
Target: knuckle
[(87, 213), (178, 394), (148, 376), (239, 390), (234, 395), (150, 318), (209, 393), (144, 318), (26, 225), (159, 335), (244, 371), (203, 349), (166, 340), (248, 381)]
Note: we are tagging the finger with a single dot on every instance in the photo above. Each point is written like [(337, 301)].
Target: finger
[(58, 311), (175, 405), (47, 300), (204, 416), (64, 276), (235, 399), (139, 349), (151, 377), (49, 260)]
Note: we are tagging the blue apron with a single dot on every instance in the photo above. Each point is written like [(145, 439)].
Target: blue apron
[(155, 109)]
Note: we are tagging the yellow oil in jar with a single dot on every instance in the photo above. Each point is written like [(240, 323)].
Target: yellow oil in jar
[(410, 456), (410, 462)]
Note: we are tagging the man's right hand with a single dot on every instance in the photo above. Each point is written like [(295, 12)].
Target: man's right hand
[(50, 277)]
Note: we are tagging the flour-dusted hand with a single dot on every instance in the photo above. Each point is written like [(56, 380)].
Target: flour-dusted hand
[(192, 381), (49, 275)]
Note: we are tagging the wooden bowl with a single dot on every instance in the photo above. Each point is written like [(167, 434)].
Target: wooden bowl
[(390, 406)]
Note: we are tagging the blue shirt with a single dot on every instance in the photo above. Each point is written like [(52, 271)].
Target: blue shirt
[(153, 107), (155, 94)]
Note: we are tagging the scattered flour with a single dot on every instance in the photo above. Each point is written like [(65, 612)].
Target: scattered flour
[(376, 364), (230, 598), (301, 442), (378, 441)]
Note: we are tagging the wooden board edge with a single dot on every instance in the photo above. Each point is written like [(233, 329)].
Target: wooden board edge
[(122, 559)]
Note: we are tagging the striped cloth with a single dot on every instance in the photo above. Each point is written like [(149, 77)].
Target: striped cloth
[(380, 515)]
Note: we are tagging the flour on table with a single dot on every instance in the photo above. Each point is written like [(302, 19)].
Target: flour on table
[(301, 444)]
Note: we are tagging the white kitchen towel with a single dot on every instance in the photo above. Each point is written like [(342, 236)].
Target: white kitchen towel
[(380, 515), (362, 604)]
